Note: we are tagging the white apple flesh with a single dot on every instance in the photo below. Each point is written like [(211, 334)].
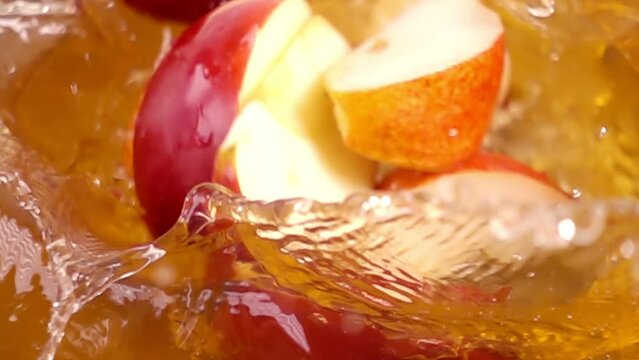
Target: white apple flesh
[(286, 143), (271, 162), (444, 33), (274, 37), (420, 94)]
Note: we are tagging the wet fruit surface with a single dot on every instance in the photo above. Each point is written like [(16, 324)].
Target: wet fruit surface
[(186, 114), (269, 324)]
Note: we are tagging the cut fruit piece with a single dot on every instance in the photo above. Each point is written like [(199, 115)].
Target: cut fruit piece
[(492, 188), (399, 179), (464, 239), (268, 161), (485, 182), (197, 92), (293, 89), (287, 144), (272, 40), (421, 93)]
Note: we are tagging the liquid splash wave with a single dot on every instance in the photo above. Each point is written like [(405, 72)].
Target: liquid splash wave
[(550, 259)]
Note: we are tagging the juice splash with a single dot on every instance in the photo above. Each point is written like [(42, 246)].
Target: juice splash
[(346, 270), (75, 103), (574, 70), (81, 277)]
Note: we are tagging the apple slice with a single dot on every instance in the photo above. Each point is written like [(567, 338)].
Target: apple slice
[(269, 161), (484, 181), (287, 144), (462, 240), (398, 179), (421, 93), (493, 188), (197, 92), (293, 90)]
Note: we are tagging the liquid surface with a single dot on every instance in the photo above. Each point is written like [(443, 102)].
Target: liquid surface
[(80, 277)]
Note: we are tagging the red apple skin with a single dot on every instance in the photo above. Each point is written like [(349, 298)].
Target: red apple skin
[(185, 10), (189, 106), (266, 323), (400, 179), (257, 320)]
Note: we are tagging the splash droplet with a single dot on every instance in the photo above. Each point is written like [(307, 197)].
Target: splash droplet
[(541, 8)]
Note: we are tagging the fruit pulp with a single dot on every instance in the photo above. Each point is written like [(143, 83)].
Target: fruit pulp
[(73, 101)]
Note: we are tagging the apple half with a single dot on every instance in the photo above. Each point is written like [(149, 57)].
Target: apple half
[(197, 92), (485, 181), (421, 93)]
